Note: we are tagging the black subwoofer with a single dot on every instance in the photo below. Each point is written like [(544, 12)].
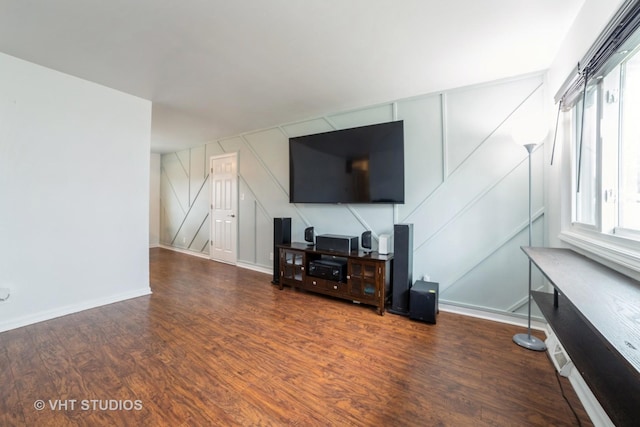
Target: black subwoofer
[(423, 301)]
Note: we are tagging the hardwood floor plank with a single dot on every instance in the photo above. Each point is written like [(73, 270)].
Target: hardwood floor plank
[(219, 345), (11, 411)]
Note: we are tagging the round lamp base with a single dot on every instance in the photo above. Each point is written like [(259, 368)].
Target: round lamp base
[(529, 342)]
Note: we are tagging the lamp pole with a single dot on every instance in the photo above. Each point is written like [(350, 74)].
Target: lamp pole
[(527, 340)]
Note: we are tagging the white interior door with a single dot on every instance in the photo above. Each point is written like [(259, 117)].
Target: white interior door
[(224, 208)]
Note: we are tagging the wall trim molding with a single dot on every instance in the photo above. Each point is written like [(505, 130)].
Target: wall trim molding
[(591, 405), (72, 308), (495, 317), (239, 264), (255, 267), (184, 251)]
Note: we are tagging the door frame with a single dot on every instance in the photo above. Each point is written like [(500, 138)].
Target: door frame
[(235, 207)]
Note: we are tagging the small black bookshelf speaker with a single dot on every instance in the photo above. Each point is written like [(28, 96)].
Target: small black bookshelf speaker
[(366, 240), (309, 236), (281, 235)]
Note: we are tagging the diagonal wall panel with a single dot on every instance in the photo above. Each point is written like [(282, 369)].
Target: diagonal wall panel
[(424, 155), (473, 114)]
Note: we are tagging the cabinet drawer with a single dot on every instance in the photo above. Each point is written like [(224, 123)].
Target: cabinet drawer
[(337, 287), (315, 283)]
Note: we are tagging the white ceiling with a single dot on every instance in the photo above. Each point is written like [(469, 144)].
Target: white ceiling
[(216, 68)]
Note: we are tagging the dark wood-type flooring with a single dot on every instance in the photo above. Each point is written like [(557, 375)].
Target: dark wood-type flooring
[(217, 345)]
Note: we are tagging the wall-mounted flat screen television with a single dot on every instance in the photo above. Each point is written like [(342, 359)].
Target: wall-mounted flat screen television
[(357, 165)]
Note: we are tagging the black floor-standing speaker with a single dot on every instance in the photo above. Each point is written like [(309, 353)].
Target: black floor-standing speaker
[(402, 277), (281, 235)]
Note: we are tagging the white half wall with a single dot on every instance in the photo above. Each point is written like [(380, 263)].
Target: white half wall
[(74, 193)]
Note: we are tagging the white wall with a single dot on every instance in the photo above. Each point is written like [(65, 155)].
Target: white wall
[(74, 193), (154, 201), (466, 190)]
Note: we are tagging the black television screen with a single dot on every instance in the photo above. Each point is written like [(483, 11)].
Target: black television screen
[(357, 165)]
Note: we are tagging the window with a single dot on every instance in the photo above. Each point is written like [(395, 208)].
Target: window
[(607, 150), (629, 192), (586, 156)]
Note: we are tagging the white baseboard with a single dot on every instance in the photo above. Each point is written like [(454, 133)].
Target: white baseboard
[(496, 317), (184, 251), (240, 264), (257, 268), (70, 309), (598, 416)]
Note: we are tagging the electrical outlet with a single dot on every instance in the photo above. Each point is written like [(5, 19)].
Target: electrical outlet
[(270, 256), (4, 294), (184, 240)]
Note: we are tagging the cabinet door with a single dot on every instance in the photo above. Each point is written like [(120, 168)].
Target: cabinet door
[(292, 266), (363, 280)]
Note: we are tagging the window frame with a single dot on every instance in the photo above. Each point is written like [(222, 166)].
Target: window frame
[(616, 244)]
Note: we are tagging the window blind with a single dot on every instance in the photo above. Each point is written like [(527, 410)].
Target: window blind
[(618, 37)]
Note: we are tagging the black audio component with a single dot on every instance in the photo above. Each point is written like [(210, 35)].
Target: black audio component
[(365, 240), (423, 301), (331, 269), (402, 268), (309, 236), (336, 243), (281, 235)]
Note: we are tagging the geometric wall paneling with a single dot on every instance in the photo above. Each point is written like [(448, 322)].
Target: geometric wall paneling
[(263, 238), (198, 170), (377, 218), (184, 158), (261, 192), (322, 218), (363, 117), (259, 179), (502, 274), (423, 149), (474, 114), (173, 168), (308, 127), (246, 223), (230, 145), (255, 228), (465, 190), (485, 167), (268, 145), (171, 210), (486, 224), (195, 228), (212, 149), (193, 231)]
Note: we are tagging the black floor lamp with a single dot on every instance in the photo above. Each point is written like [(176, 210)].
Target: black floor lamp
[(527, 340)]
